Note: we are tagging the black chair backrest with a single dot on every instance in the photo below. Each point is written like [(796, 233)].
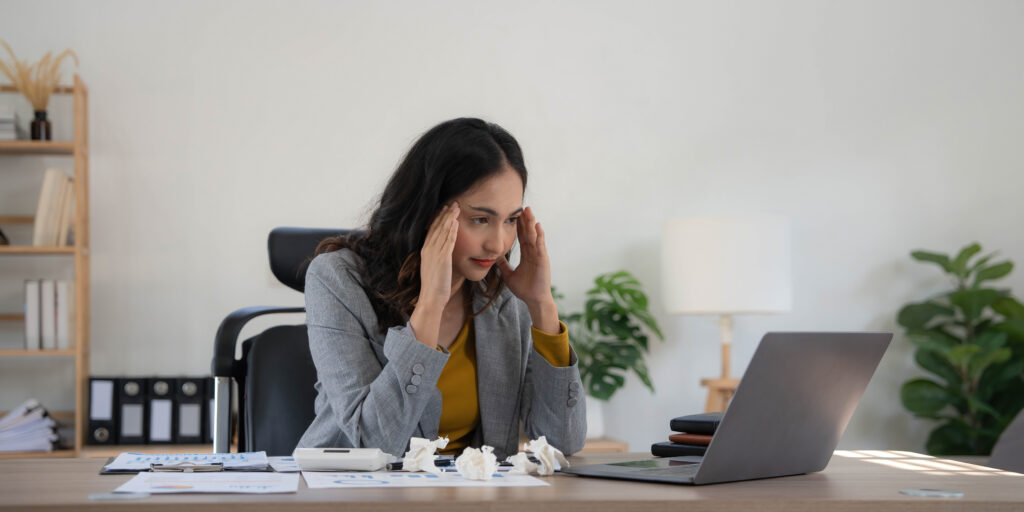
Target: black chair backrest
[(291, 250), (278, 389)]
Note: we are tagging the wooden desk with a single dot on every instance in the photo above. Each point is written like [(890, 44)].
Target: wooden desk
[(848, 484)]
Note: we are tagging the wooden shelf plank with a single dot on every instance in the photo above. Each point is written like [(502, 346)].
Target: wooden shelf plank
[(16, 352), (36, 455), (28, 249), (17, 219), (60, 89), (36, 147), (12, 317)]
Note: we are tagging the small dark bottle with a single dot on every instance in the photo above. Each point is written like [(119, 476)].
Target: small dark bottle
[(41, 127)]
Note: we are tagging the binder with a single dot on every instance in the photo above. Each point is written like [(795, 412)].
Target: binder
[(102, 423), (160, 405), (65, 314), (208, 422), (190, 399), (32, 338), (131, 397), (48, 313)]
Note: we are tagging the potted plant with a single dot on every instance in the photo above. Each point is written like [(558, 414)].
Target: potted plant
[(36, 82), (972, 339), (611, 337)]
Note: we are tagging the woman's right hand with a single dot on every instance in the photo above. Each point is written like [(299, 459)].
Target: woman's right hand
[(435, 274)]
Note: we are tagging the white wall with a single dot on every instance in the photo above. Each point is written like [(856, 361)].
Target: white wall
[(878, 127)]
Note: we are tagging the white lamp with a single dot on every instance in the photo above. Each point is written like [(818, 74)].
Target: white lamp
[(725, 266)]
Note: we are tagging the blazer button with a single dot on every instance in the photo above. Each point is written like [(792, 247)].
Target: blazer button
[(417, 368), (416, 379), (573, 402), (411, 388), (573, 393)]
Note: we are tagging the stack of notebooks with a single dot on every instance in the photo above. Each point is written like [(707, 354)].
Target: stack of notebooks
[(28, 428), (8, 123), (691, 435)]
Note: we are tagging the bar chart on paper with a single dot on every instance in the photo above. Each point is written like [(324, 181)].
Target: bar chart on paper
[(325, 480)]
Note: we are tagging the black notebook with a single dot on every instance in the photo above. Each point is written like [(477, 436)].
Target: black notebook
[(705, 423), (676, 449)]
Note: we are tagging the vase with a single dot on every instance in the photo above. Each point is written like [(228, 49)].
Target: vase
[(595, 418), (41, 127)]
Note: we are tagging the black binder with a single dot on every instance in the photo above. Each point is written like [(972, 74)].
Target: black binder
[(191, 402), (162, 411), (131, 397), (102, 424)]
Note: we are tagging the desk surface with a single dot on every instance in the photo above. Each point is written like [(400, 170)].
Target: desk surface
[(847, 484)]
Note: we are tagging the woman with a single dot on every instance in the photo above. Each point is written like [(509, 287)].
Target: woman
[(420, 327)]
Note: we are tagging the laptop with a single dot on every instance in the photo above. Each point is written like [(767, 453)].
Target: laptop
[(789, 411)]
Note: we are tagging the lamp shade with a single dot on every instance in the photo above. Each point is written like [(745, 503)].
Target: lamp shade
[(726, 265)]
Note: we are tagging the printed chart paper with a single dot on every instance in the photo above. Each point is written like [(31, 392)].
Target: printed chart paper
[(355, 479), (240, 461), (212, 482)]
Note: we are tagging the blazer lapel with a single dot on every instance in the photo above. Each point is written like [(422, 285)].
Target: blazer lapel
[(498, 371)]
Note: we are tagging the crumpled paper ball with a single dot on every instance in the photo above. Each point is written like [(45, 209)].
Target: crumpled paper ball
[(476, 464), (548, 455), (420, 456), (522, 464)]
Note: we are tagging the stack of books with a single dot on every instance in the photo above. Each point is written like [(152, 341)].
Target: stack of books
[(28, 428), (49, 314), (55, 212), (691, 435), (8, 123)]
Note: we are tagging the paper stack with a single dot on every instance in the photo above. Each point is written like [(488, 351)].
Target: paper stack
[(8, 123), (28, 428)]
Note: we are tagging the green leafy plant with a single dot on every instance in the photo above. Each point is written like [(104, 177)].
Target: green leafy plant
[(972, 339), (610, 335)]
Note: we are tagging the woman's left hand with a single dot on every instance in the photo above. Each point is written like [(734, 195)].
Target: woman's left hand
[(531, 279)]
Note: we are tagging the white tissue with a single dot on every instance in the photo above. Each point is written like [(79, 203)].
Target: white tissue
[(420, 456), (522, 464), (548, 455), (476, 464)]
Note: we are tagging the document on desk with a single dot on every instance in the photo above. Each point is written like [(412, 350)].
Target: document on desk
[(353, 479), (247, 461), (213, 482)]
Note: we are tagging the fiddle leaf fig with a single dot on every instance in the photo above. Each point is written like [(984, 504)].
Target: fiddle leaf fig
[(972, 339)]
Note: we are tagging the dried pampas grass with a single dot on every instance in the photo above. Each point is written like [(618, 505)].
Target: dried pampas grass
[(35, 81)]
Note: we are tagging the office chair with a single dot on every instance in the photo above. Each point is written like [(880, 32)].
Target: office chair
[(275, 375)]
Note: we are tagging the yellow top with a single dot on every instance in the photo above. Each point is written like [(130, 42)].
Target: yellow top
[(460, 411)]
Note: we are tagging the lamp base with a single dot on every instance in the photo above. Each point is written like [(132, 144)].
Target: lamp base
[(720, 391)]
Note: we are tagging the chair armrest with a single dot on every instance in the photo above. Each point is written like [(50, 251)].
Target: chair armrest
[(230, 328)]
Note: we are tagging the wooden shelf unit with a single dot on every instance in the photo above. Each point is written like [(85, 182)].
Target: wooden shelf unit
[(78, 149)]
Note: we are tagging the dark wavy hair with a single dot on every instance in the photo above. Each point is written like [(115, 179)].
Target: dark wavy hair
[(443, 163)]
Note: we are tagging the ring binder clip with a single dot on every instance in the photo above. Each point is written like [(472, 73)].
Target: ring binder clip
[(188, 467)]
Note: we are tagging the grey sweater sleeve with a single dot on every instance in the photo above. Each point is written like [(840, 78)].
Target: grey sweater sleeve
[(372, 404), (552, 402)]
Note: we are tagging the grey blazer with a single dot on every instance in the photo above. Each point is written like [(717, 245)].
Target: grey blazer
[(379, 389)]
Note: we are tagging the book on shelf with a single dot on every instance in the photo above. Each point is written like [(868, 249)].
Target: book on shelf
[(28, 428), (8, 123), (49, 314), (55, 211), (32, 341)]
